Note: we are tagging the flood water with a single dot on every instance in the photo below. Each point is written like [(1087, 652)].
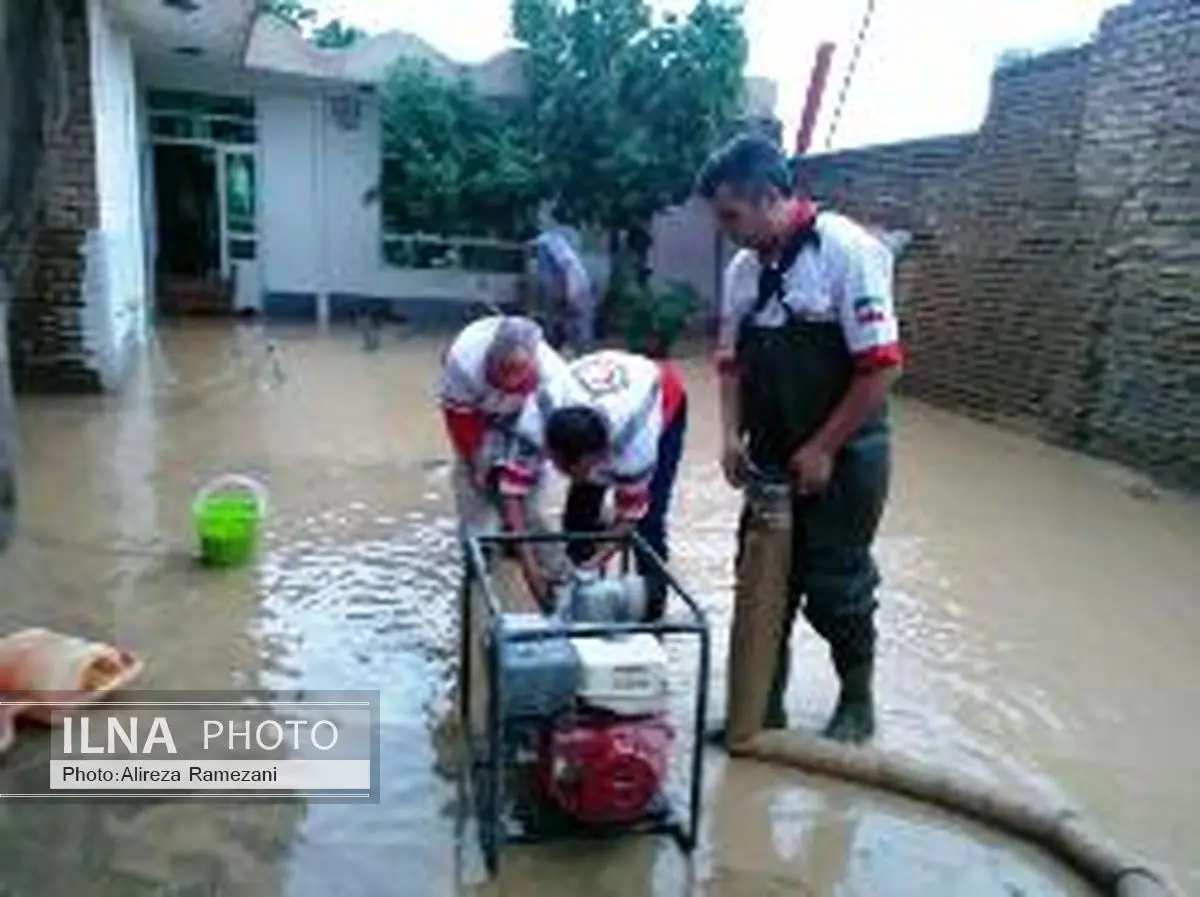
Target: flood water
[(1040, 618)]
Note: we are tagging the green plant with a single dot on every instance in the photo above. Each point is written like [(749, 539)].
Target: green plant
[(337, 35), (454, 161), (649, 321), (294, 12), (624, 104)]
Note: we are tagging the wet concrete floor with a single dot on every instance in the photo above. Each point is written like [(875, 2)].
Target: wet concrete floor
[(1040, 617)]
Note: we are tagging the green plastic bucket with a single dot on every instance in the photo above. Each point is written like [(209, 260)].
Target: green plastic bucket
[(228, 515)]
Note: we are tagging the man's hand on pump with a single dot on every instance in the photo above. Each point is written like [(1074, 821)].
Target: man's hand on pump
[(606, 550), (733, 461), (811, 468), (512, 511)]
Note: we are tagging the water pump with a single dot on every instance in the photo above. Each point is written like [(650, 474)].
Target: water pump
[(603, 739)]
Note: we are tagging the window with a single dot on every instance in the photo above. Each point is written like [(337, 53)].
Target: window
[(184, 115), (189, 102), (456, 253)]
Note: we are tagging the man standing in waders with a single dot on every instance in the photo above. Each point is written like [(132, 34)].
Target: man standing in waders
[(808, 347)]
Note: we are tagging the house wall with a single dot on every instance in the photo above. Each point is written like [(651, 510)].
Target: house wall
[(76, 305), (320, 241), (290, 219), (686, 250)]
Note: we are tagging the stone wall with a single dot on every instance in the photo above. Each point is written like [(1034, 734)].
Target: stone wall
[(26, 101), (47, 320), (890, 185), (1137, 389), (1054, 275)]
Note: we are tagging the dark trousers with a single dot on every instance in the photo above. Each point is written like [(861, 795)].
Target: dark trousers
[(834, 575), (585, 502)]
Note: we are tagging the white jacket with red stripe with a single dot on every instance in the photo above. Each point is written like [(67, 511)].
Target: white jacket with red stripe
[(636, 397), (476, 413)]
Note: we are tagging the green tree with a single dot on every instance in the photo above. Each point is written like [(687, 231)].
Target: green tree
[(294, 12), (623, 108), (333, 35), (336, 35), (455, 163)]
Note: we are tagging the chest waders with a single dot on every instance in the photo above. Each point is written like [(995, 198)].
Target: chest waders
[(792, 378)]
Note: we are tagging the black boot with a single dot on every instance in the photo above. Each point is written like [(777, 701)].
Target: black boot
[(853, 719)]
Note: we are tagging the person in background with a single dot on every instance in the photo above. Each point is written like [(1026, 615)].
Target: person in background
[(808, 348), (489, 372), (620, 427), (565, 292)]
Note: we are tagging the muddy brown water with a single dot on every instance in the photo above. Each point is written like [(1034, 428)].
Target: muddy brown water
[(1040, 618)]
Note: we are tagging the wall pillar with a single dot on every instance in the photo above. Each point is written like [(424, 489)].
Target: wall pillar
[(48, 320)]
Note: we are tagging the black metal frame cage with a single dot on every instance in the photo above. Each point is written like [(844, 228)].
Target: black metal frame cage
[(488, 758)]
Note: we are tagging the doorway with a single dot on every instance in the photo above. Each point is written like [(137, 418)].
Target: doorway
[(205, 155), (188, 212)]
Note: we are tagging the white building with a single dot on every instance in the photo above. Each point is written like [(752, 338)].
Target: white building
[(221, 162)]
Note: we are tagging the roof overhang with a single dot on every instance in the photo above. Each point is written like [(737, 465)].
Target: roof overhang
[(215, 31), (275, 47), (235, 35)]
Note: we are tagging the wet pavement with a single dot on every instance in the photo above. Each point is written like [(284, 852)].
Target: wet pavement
[(1039, 621)]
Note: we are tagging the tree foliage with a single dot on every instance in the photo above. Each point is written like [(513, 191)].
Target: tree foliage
[(294, 12), (623, 108), (333, 35), (336, 35), (454, 162)]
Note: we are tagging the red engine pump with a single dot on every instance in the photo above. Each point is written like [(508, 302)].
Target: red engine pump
[(605, 769)]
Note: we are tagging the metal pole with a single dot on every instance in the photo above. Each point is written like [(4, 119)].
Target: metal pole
[(697, 795), (812, 100)]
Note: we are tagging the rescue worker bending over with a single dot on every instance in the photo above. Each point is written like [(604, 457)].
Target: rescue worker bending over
[(620, 426), (492, 368), (808, 347)]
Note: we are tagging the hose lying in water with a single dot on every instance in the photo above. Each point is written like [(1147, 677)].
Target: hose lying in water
[(766, 554), (1059, 832)]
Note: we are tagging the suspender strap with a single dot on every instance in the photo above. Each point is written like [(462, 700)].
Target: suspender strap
[(770, 277)]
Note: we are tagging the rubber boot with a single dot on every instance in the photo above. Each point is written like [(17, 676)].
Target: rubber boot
[(853, 719)]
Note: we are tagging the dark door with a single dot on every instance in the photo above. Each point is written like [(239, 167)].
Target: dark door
[(189, 216)]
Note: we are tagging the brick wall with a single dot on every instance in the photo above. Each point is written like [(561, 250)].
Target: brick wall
[(892, 186), (46, 323), (1054, 278), (1137, 390)]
